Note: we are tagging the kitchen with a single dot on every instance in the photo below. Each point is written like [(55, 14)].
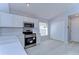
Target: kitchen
[(37, 29), (13, 25)]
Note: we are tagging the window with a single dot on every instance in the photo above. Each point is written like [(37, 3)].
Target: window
[(43, 27)]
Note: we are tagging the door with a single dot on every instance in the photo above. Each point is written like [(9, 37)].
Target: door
[(74, 20)]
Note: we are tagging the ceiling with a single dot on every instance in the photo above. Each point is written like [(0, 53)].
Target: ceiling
[(39, 10)]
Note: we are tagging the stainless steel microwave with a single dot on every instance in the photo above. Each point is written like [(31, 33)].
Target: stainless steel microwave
[(29, 25)]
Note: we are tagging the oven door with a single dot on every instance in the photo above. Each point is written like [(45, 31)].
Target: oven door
[(30, 40)]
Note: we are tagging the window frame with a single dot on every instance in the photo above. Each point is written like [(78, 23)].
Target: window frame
[(41, 27)]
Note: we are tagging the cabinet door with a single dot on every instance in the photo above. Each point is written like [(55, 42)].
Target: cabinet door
[(5, 20), (27, 19), (17, 20)]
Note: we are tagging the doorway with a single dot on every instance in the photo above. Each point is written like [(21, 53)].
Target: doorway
[(73, 28)]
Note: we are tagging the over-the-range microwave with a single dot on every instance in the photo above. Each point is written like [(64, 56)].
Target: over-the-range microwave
[(29, 25)]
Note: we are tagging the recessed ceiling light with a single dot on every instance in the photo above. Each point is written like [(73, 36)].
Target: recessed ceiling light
[(28, 4)]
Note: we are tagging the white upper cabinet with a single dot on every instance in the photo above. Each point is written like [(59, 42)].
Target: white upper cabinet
[(17, 21), (9, 20), (5, 20), (27, 19)]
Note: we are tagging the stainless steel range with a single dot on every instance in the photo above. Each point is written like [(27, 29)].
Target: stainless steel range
[(29, 36)]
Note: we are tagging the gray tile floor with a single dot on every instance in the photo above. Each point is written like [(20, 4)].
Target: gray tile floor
[(53, 47)]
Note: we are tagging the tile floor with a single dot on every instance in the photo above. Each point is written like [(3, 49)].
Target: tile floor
[(53, 47)]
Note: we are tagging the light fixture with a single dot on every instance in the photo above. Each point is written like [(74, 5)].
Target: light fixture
[(27, 4)]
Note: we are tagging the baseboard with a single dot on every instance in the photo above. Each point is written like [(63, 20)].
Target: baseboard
[(60, 40), (74, 41)]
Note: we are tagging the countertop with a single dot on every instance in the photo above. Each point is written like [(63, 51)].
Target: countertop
[(10, 45)]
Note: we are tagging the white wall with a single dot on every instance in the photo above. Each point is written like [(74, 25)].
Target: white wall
[(74, 9), (59, 25), (4, 7), (58, 28)]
